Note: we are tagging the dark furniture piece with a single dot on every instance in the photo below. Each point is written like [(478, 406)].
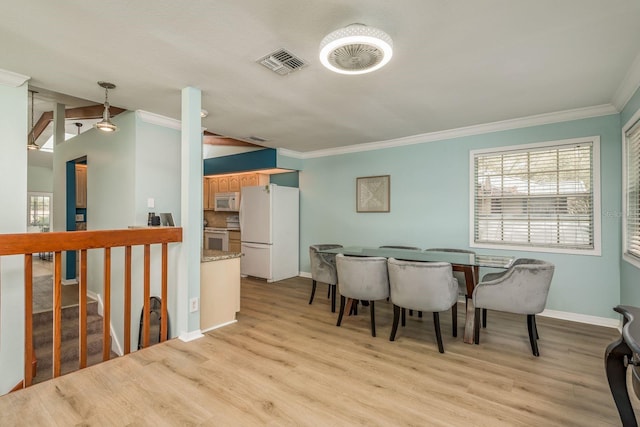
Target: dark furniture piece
[(619, 355)]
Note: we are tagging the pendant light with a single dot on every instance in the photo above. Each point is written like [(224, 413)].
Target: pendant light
[(32, 140), (105, 124)]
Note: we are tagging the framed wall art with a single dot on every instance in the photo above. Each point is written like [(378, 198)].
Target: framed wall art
[(373, 193)]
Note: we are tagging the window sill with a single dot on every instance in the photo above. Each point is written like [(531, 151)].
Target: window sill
[(585, 252)]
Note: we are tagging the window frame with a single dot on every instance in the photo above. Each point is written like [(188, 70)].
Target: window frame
[(596, 201), (40, 194), (626, 256)]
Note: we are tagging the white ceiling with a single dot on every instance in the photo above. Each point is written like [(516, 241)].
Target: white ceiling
[(455, 64)]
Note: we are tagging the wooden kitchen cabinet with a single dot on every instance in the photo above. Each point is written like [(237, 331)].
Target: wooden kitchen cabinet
[(234, 241), (210, 188), (81, 186), (234, 182), (223, 184)]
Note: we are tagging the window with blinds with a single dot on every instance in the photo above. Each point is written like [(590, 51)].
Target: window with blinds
[(538, 196), (632, 179)]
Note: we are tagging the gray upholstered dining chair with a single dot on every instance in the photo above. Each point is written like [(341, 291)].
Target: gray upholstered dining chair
[(522, 289), (323, 269), (423, 286), (459, 275), (363, 279)]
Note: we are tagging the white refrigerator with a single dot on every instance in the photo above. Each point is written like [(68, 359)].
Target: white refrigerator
[(269, 232)]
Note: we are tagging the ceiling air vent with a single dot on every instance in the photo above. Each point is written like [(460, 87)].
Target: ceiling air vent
[(282, 62)]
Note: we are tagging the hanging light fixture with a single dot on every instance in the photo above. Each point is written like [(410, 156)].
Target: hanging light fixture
[(32, 140), (105, 124), (356, 49)]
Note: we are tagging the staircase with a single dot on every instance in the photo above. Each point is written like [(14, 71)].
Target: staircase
[(43, 340)]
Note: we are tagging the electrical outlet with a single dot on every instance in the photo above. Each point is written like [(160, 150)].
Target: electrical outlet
[(151, 203), (194, 304)]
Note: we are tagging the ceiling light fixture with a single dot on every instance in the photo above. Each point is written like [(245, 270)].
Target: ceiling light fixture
[(356, 49), (32, 140), (105, 124)]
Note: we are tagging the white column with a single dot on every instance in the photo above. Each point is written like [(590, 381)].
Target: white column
[(188, 323), (13, 219)]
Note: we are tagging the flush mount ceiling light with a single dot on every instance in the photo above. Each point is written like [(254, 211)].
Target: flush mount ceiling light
[(105, 124), (32, 140), (356, 49)]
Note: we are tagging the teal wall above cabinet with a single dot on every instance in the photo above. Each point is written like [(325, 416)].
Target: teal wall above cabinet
[(244, 162)]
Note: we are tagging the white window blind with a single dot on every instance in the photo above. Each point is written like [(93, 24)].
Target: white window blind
[(541, 196), (633, 187)]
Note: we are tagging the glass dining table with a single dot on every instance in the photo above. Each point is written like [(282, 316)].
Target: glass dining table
[(469, 264)]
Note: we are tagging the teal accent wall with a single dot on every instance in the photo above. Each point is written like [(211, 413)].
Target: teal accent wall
[(430, 205), (70, 259), (253, 160), (629, 273)]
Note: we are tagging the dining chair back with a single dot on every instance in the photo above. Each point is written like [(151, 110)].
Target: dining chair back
[(522, 289), (323, 269), (459, 275), (362, 279), (423, 286)]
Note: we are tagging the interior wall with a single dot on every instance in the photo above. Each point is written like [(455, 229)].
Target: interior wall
[(39, 179), (430, 205), (629, 273), (13, 191)]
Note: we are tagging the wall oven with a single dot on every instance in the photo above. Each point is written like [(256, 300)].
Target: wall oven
[(216, 239)]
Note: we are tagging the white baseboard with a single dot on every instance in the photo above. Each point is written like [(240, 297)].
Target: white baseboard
[(304, 274), (116, 347), (219, 326), (69, 282), (190, 336), (582, 318)]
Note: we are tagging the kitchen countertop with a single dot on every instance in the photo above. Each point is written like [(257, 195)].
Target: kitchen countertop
[(214, 255)]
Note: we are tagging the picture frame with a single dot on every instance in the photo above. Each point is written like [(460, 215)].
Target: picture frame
[(373, 194)]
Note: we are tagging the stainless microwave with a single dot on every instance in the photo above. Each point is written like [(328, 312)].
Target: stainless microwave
[(229, 202)]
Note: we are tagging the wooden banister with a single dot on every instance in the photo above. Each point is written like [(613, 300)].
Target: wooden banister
[(57, 242)]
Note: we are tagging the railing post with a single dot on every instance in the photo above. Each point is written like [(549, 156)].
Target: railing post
[(57, 314), (147, 295), (127, 299), (106, 307), (164, 333), (82, 310), (28, 320)]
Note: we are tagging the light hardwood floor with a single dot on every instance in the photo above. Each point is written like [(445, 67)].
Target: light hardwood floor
[(286, 363)]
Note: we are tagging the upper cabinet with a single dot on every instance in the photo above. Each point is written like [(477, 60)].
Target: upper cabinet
[(81, 186), (227, 183)]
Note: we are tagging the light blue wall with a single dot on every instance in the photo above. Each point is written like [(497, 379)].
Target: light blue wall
[(430, 205), (629, 274)]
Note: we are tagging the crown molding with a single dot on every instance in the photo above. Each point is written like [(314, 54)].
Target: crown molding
[(290, 153), (523, 122), (9, 78), (157, 119), (628, 86)]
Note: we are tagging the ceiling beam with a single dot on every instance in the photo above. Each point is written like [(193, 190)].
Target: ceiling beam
[(78, 113), (213, 139)]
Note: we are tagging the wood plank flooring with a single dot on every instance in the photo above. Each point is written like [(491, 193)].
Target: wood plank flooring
[(286, 363)]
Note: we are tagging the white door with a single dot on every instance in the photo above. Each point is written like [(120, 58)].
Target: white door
[(256, 260), (255, 214)]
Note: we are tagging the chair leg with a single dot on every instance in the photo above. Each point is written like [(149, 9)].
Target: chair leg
[(313, 291), (342, 303), (531, 325), (396, 317), (404, 317), (420, 314), (454, 318), (332, 289), (329, 291), (484, 317), (436, 322), (373, 318), (410, 313), (476, 326), (535, 327)]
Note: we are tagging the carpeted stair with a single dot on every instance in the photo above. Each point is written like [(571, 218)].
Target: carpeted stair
[(43, 340)]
